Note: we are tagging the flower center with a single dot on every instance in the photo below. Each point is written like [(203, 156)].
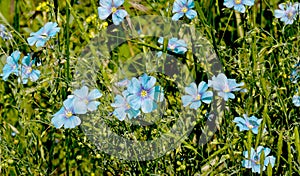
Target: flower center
[(250, 126), (144, 93), (184, 9), (28, 70), (238, 1), (226, 89), (198, 97), (172, 47), (86, 101), (127, 106), (290, 14), (113, 9), (69, 114)]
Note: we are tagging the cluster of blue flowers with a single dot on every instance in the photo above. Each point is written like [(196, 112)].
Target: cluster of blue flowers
[(25, 70), (4, 33), (199, 94), (252, 160), (238, 5), (141, 95), (294, 77), (111, 7), (81, 102), (287, 12)]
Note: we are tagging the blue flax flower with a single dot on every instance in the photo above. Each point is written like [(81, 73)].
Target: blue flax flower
[(143, 93), (254, 161), (248, 123), (183, 7), (122, 107), (11, 65), (108, 7), (225, 86), (295, 75), (27, 71), (40, 37), (287, 12), (296, 100), (85, 100), (175, 45), (66, 115), (196, 95), (4, 34), (239, 5)]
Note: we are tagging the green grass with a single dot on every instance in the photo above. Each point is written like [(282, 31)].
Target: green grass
[(255, 48)]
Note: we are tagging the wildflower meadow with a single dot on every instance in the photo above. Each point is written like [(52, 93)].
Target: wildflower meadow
[(146, 87)]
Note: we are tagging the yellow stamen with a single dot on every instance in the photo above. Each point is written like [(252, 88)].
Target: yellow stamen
[(290, 14), (238, 1), (250, 126), (86, 101), (198, 97), (144, 93), (29, 70), (69, 114), (172, 47), (184, 9), (113, 9), (226, 89)]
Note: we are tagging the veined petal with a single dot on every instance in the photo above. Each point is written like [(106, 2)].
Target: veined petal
[(186, 100), (82, 92), (147, 105), (94, 94), (119, 16), (195, 105), (103, 13), (240, 7), (34, 76), (106, 3), (202, 87), (72, 122), (176, 16), (118, 3), (228, 3), (192, 89), (93, 105), (134, 101), (191, 14)]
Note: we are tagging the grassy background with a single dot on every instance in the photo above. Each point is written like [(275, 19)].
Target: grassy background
[(253, 47)]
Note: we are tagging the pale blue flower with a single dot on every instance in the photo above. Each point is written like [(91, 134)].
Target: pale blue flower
[(67, 115), (287, 12), (175, 45), (11, 65), (108, 7), (27, 71), (122, 107), (40, 37), (248, 123), (254, 161), (85, 100), (143, 94), (296, 100), (4, 34), (239, 5), (196, 95), (183, 7), (225, 86)]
